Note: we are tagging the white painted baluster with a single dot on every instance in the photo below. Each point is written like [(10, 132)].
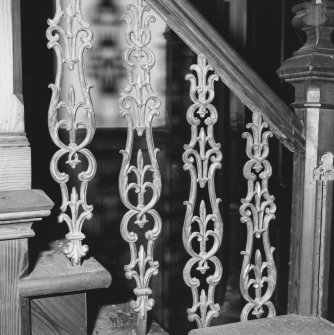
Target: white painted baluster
[(258, 278), (140, 183), (202, 158), (70, 36)]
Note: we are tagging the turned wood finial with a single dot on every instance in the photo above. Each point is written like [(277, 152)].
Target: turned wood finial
[(311, 71), (316, 18), (312, 65)]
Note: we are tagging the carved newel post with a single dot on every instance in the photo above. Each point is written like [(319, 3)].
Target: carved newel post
[(19, 205), (311, 72)]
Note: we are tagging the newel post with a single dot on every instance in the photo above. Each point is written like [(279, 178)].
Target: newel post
[(20, 206), (311, 72)]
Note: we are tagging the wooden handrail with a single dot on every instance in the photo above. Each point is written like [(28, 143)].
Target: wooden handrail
[(197, 33)]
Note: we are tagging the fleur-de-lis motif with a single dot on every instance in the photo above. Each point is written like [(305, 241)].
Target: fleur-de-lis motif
[(139, 60), (70, 36), (202, 157), (257, 211), (139, 103)]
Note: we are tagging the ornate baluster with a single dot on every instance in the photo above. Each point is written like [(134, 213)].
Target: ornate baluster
[(258, 280), (69, 35), (202, 158), (139, 103)]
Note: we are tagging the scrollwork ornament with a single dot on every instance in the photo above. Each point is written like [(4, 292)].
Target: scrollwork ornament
[(258, 279), (202, 158), (139, 104), (69, 35)]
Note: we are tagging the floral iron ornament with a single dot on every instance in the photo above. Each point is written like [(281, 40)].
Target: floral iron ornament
[(70, 36), (202, 158), (140, 184), (258, 280)]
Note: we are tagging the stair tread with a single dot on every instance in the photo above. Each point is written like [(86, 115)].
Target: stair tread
[(281, 325), (120, 319), (54, 274), (24, 200)]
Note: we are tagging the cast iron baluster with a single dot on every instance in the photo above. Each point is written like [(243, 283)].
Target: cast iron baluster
[(258, 280), (202, 158), (70, 35), (139, 103)]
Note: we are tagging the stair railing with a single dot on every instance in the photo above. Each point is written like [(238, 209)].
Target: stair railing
[(70, 36), (140, 180), (202, 158), (201, 38)]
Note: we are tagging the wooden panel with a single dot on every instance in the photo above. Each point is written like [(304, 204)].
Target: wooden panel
[(59, 315), (54, 273), (306, 231), (11, 110), (15, 166), (13, 263), (25, 316), (234, 72), (288, 324)]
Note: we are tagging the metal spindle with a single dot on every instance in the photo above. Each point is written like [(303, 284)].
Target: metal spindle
[(140, 183), (258, 277), (70, 36), (202, 158)]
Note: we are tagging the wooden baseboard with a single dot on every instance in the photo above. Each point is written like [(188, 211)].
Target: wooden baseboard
[(59, 315)]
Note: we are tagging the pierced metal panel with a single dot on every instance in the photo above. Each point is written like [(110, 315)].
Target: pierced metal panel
[(140, 182), (70, 36), (258, 279), (202, 158)]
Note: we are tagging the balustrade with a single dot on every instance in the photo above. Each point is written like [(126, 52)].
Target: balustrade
[(70, 36), (258, 277), (203, 225), (140, 182), (202, 158)]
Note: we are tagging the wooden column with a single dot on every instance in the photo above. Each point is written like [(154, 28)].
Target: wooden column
[(18, 211), (15, 167), (15, 170), (19, 205), (311, 71)]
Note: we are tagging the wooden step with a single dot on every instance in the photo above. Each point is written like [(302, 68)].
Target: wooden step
[(53, 295), (19, 209), (120, 319), (281, 325), (54, 274)]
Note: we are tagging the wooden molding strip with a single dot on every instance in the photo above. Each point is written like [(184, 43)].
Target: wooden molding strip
[(13, 231), (198, 34), (24, 204)]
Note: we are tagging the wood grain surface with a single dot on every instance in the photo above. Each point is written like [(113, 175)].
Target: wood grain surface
[(54, 274), (24, 201), (13, 264), (311, 71), (282, 325), (11, 106), (15, 166), (59, 315)]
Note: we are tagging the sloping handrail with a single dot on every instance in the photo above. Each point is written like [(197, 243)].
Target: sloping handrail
[(199, 35)]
